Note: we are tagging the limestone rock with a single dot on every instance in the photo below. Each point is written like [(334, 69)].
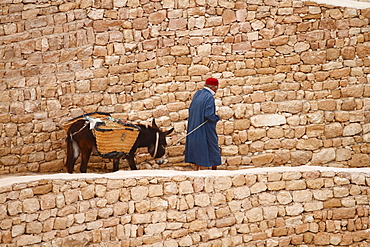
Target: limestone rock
[(267, 120)]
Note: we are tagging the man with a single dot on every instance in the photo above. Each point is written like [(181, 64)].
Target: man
[(201, 147)]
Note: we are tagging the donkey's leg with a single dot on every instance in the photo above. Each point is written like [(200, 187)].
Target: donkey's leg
[(85, 159), (115, 164), (131, 161), (73, 152)]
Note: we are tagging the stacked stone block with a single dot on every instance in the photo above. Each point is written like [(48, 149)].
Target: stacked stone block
[(306, 206), (293, 77)]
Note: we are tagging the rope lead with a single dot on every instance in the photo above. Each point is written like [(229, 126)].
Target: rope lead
[(200, 125)]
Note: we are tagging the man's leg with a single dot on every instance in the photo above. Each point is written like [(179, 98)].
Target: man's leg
[(214, 167), (196, 167)]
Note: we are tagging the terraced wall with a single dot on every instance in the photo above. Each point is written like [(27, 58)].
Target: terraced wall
[(297, 206), (294, 77)]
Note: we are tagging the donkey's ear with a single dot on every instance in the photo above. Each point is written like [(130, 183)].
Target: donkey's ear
[(154, 125), (169, 131)]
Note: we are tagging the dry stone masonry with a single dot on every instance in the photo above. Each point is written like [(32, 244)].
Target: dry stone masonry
[(294, 76), (297, 206)]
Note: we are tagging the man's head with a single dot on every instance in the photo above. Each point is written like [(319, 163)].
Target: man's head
[(212, 83)]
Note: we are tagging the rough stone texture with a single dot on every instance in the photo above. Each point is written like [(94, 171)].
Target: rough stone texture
[(294, 77), (296, 206), (268, 120)]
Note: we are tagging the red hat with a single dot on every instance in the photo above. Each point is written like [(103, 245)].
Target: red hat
[(212, 81)]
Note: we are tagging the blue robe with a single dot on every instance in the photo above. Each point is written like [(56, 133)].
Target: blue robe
[(201, 146)]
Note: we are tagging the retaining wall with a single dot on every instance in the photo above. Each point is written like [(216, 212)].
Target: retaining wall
[(298, 206), (294, 77)]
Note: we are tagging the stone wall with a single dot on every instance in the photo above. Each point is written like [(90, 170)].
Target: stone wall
[(297, 206), (294, 77)]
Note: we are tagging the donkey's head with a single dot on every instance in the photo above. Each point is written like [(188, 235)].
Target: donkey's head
[(156, 148)]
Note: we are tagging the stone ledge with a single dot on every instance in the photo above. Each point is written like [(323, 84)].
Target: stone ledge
[(277, 206), (343, 3), (171, 173)]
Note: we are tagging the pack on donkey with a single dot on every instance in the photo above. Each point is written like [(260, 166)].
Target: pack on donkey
[(110, 138)]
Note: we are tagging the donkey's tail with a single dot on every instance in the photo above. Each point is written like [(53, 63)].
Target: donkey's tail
[(73, 151)]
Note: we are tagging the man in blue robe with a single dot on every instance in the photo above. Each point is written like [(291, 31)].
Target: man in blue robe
[(201, 148)]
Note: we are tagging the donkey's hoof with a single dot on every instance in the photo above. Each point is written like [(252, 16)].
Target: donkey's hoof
[(160, 161)]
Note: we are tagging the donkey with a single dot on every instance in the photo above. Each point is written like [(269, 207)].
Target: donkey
[(80, 139)]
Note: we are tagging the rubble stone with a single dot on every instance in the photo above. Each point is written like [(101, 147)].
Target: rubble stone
[(297, 65), (264, 203)]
